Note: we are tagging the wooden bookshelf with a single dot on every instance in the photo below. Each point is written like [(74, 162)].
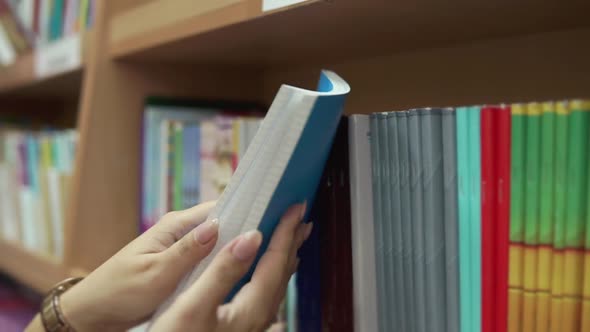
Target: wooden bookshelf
[(35, 271), (394, 54), (20, 78)]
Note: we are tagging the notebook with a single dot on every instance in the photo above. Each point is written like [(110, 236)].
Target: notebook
[(282, 167)]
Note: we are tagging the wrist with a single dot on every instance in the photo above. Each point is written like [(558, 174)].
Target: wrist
[(78, 310)]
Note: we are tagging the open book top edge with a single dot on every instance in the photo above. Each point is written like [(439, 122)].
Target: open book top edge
[(330, 84)]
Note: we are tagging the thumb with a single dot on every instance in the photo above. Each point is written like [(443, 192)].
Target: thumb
[(193, 246)]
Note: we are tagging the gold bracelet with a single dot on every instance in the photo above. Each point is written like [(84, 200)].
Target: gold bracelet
[(51, 315)]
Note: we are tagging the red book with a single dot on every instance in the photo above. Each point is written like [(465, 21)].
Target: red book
[(502, 159), (488, 216), (36, 16)]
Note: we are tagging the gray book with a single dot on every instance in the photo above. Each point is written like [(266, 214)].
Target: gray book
[(363, 235), (450, 194), (433, 208), (392, 315), (417, 221), (406, 218), (378, 221), (400, 317)]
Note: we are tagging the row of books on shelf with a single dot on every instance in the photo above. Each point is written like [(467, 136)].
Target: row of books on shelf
[(472, 218), (26, 24), (35, 172), (190, 151)]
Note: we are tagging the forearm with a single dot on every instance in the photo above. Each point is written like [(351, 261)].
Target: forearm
[(35, 325)]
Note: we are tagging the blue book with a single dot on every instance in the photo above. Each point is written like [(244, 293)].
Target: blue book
[(282, 167), (191, 167)]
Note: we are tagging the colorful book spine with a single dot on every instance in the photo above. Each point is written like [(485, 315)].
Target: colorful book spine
[(465, 282), (578, 131), (474, 146), (488, 217), (560, 182), (531, 235), (178, 166), (547, 176), (585, 323), (503, 215)]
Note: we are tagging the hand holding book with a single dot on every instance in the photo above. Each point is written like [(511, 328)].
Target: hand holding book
[(128, 288)]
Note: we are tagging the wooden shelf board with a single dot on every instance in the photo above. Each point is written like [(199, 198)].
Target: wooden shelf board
[(32, 270), (20, 79), (340, 29)]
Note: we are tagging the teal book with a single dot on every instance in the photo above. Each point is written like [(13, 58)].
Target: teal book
[(282, 166), (464, 185), (56, 20)]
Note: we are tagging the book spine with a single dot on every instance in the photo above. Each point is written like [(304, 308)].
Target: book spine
[(451, 227), (561, 159), (531, 234), (362, 223), (585, 314), (178, 166), (431, 131), (488, 217), (517, 194), (392, 260), (406, 218), (474, 146), (579, 123), (463, 182), (56, 20), (545, 216), (376, 171), (415, 149), (503, 218)]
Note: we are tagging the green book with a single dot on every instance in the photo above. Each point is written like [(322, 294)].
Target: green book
[(579, 123), (560, 179), (531, 213), (517, 194), (178, 161), (545, 215)]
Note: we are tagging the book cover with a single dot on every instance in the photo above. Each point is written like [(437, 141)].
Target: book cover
[(503, 214), (300, 125), (578, 131), (488, 216), (547, 199), (517, 216), (451, 226), (433, 207), (416, 196)]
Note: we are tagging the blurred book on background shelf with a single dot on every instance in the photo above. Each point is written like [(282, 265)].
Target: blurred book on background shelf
[(26, 25)]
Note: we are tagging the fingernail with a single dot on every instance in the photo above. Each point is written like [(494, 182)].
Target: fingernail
[(247, 245), (206, 231), (295, 212), (308, 229)]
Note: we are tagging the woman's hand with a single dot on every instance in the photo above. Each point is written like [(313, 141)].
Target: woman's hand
[(127, 288), (201, 308)]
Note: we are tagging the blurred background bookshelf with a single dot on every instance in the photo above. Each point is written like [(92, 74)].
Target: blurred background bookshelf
[(394, 55)]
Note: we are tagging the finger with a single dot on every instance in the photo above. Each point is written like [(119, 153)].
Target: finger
[(194, 246), (222, 274), (266, 283), (176, 224)]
